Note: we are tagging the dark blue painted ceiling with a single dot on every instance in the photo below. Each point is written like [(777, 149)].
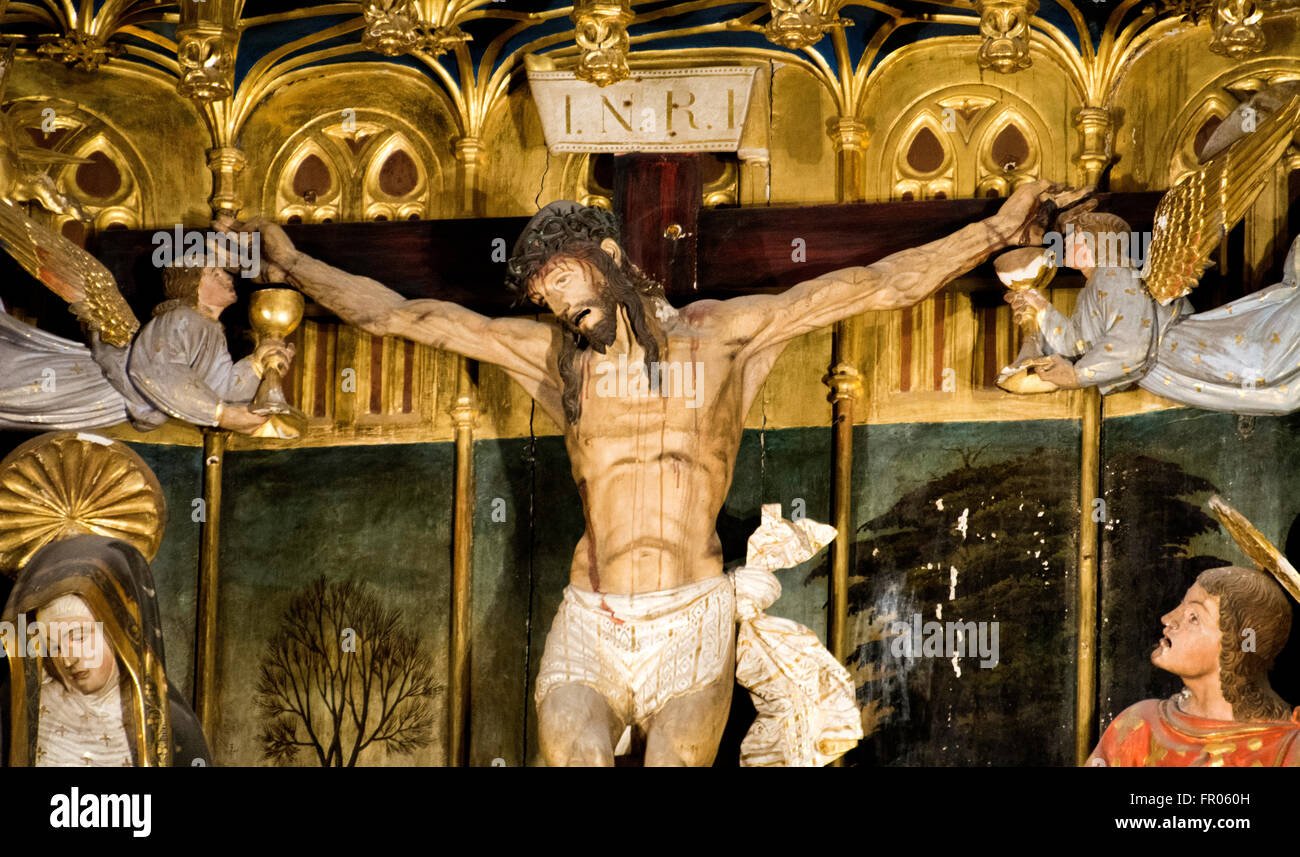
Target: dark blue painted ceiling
[(491, 21)]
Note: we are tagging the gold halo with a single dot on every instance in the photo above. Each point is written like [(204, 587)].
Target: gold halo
[(1253, 544), (62, 484)]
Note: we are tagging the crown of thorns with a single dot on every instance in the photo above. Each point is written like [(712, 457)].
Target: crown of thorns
[(554, 230)]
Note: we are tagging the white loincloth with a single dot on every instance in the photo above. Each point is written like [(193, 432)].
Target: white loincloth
[(807, 710), (805, 700), (640, 651)]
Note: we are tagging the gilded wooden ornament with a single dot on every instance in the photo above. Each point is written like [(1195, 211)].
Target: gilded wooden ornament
[(1004, 24), (21, 176), (392, 27), (64, 483), (81, 50), (396, 27), (1237, 29), (800, 23), (206, 53), (600, 31)]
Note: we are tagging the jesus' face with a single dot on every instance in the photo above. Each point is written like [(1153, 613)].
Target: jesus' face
[(579, 294), (1190, 645)]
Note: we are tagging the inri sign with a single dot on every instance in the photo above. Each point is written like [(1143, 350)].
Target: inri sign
[(668, 110)]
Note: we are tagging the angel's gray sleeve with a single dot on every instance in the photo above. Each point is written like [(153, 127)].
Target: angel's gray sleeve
[(1113, 329), (1061, 333), (179, 365), (233, 382)]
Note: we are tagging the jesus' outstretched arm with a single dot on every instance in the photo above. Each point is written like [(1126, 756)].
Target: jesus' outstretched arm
[(522, 347), (896, 281)]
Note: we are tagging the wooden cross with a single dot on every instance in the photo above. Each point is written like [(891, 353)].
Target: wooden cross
[(696, 252)]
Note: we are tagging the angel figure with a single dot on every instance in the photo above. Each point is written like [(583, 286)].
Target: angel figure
[(1221, 640), (176, 365), (1135, 326)]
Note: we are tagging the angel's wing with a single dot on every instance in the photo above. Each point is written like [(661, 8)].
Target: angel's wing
[(70, 272), (1195, 214)]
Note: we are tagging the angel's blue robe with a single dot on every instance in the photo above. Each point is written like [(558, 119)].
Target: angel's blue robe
[(177, 366), (1243, 357)]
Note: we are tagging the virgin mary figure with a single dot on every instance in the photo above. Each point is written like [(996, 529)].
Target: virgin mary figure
[(94, 692)]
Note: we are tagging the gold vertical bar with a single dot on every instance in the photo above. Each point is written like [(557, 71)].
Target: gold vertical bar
[(841, 512), (462, 415), (1085, 703), (845, 383), (305, 361), (425, 384), (205, 637), (470, 152), (349, 404)]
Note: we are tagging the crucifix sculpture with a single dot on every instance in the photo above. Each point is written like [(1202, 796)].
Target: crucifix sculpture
[(652, 401)]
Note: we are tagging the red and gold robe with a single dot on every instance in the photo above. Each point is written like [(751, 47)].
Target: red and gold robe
[(1155, 734)]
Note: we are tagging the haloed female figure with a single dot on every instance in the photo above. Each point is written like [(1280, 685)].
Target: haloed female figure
[(96, 694)]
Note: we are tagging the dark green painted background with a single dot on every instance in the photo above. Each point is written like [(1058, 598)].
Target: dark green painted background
[(383, 514)]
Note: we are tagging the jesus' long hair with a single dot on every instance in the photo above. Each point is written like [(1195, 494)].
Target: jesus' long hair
[(625, 284)]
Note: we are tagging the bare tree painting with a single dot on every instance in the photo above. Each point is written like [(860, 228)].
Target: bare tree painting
[(342, 674)]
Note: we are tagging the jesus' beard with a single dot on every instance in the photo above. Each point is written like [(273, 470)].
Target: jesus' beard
[(616, 290)]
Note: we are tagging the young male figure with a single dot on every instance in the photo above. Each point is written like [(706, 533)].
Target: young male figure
[(645, 635), (179, 361), (1221, 641)]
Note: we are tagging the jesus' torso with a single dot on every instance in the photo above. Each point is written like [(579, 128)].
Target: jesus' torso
[(653, 467)]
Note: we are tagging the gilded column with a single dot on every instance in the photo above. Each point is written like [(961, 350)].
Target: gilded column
[(845, 382), (1085, 708), (1094, 126), (470, 154), (850, 138), (225, 163), (463, 414), (205, 637)]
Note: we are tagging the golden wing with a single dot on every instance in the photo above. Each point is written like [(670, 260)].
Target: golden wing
[(1254, 545), (1196, 213), (71, 273)]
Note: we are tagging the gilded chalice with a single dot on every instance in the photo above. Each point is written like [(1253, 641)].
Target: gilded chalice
[(1019, 270), (275, 314)]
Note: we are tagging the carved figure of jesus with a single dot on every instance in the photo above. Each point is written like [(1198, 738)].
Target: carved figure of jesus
[(645, 636)]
